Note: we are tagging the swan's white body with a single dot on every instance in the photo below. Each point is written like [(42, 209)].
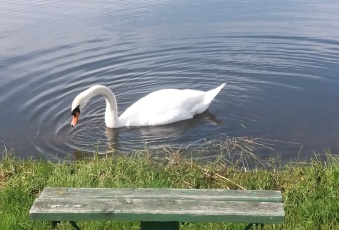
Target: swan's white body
[(157, 108)]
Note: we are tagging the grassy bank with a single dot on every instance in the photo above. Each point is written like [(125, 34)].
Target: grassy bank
[(310, 190)]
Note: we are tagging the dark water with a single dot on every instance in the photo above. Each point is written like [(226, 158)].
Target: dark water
[(280, 59)]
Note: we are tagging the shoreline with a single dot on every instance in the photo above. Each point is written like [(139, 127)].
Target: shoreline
[(310, 189)]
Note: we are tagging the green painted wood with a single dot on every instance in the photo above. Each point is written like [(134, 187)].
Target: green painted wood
[(165, 193), (145, 225), (64, 204)]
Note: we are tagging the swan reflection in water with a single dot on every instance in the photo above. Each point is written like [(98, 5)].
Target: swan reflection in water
[(159, 134)]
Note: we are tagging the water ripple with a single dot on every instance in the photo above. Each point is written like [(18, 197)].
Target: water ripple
[(138, 47)]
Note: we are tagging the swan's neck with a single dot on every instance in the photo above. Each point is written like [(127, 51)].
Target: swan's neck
[(111, 113)]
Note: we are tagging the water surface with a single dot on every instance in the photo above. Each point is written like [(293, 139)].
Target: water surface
[(280, 59)]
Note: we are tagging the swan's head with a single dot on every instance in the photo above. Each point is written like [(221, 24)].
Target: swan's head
[(78, 105)]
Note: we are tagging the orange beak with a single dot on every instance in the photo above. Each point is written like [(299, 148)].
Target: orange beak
[(75, 119)]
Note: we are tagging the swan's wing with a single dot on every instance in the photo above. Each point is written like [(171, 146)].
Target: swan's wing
[(165, 106)]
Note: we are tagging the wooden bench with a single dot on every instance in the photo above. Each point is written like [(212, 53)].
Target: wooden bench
[(158, 208)]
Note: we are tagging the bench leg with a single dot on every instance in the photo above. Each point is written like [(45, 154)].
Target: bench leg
[(249, 226), (75, 226), (73, 223), (156, 225), (54, 224)]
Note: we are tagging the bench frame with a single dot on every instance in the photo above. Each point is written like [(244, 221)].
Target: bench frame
[(158, 208), (152, 225)]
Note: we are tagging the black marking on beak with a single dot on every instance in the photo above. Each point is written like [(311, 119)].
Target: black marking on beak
[(77, 109)]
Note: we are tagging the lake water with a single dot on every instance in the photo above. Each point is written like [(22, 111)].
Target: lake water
[(280, 60)]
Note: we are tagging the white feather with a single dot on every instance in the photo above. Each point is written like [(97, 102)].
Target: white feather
[(157, 108)]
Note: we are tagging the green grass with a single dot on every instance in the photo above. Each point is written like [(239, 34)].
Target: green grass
[(310, 190)]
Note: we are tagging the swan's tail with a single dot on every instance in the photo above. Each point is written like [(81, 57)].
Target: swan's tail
[(210, 95)]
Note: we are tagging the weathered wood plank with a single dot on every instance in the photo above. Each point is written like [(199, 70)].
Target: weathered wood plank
[(85, 208), (164, 193)]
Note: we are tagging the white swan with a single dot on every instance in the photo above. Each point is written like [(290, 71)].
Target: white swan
[(157, 108)]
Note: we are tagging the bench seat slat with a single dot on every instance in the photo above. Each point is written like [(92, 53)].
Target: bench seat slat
[(144, 193), (64, 209)]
